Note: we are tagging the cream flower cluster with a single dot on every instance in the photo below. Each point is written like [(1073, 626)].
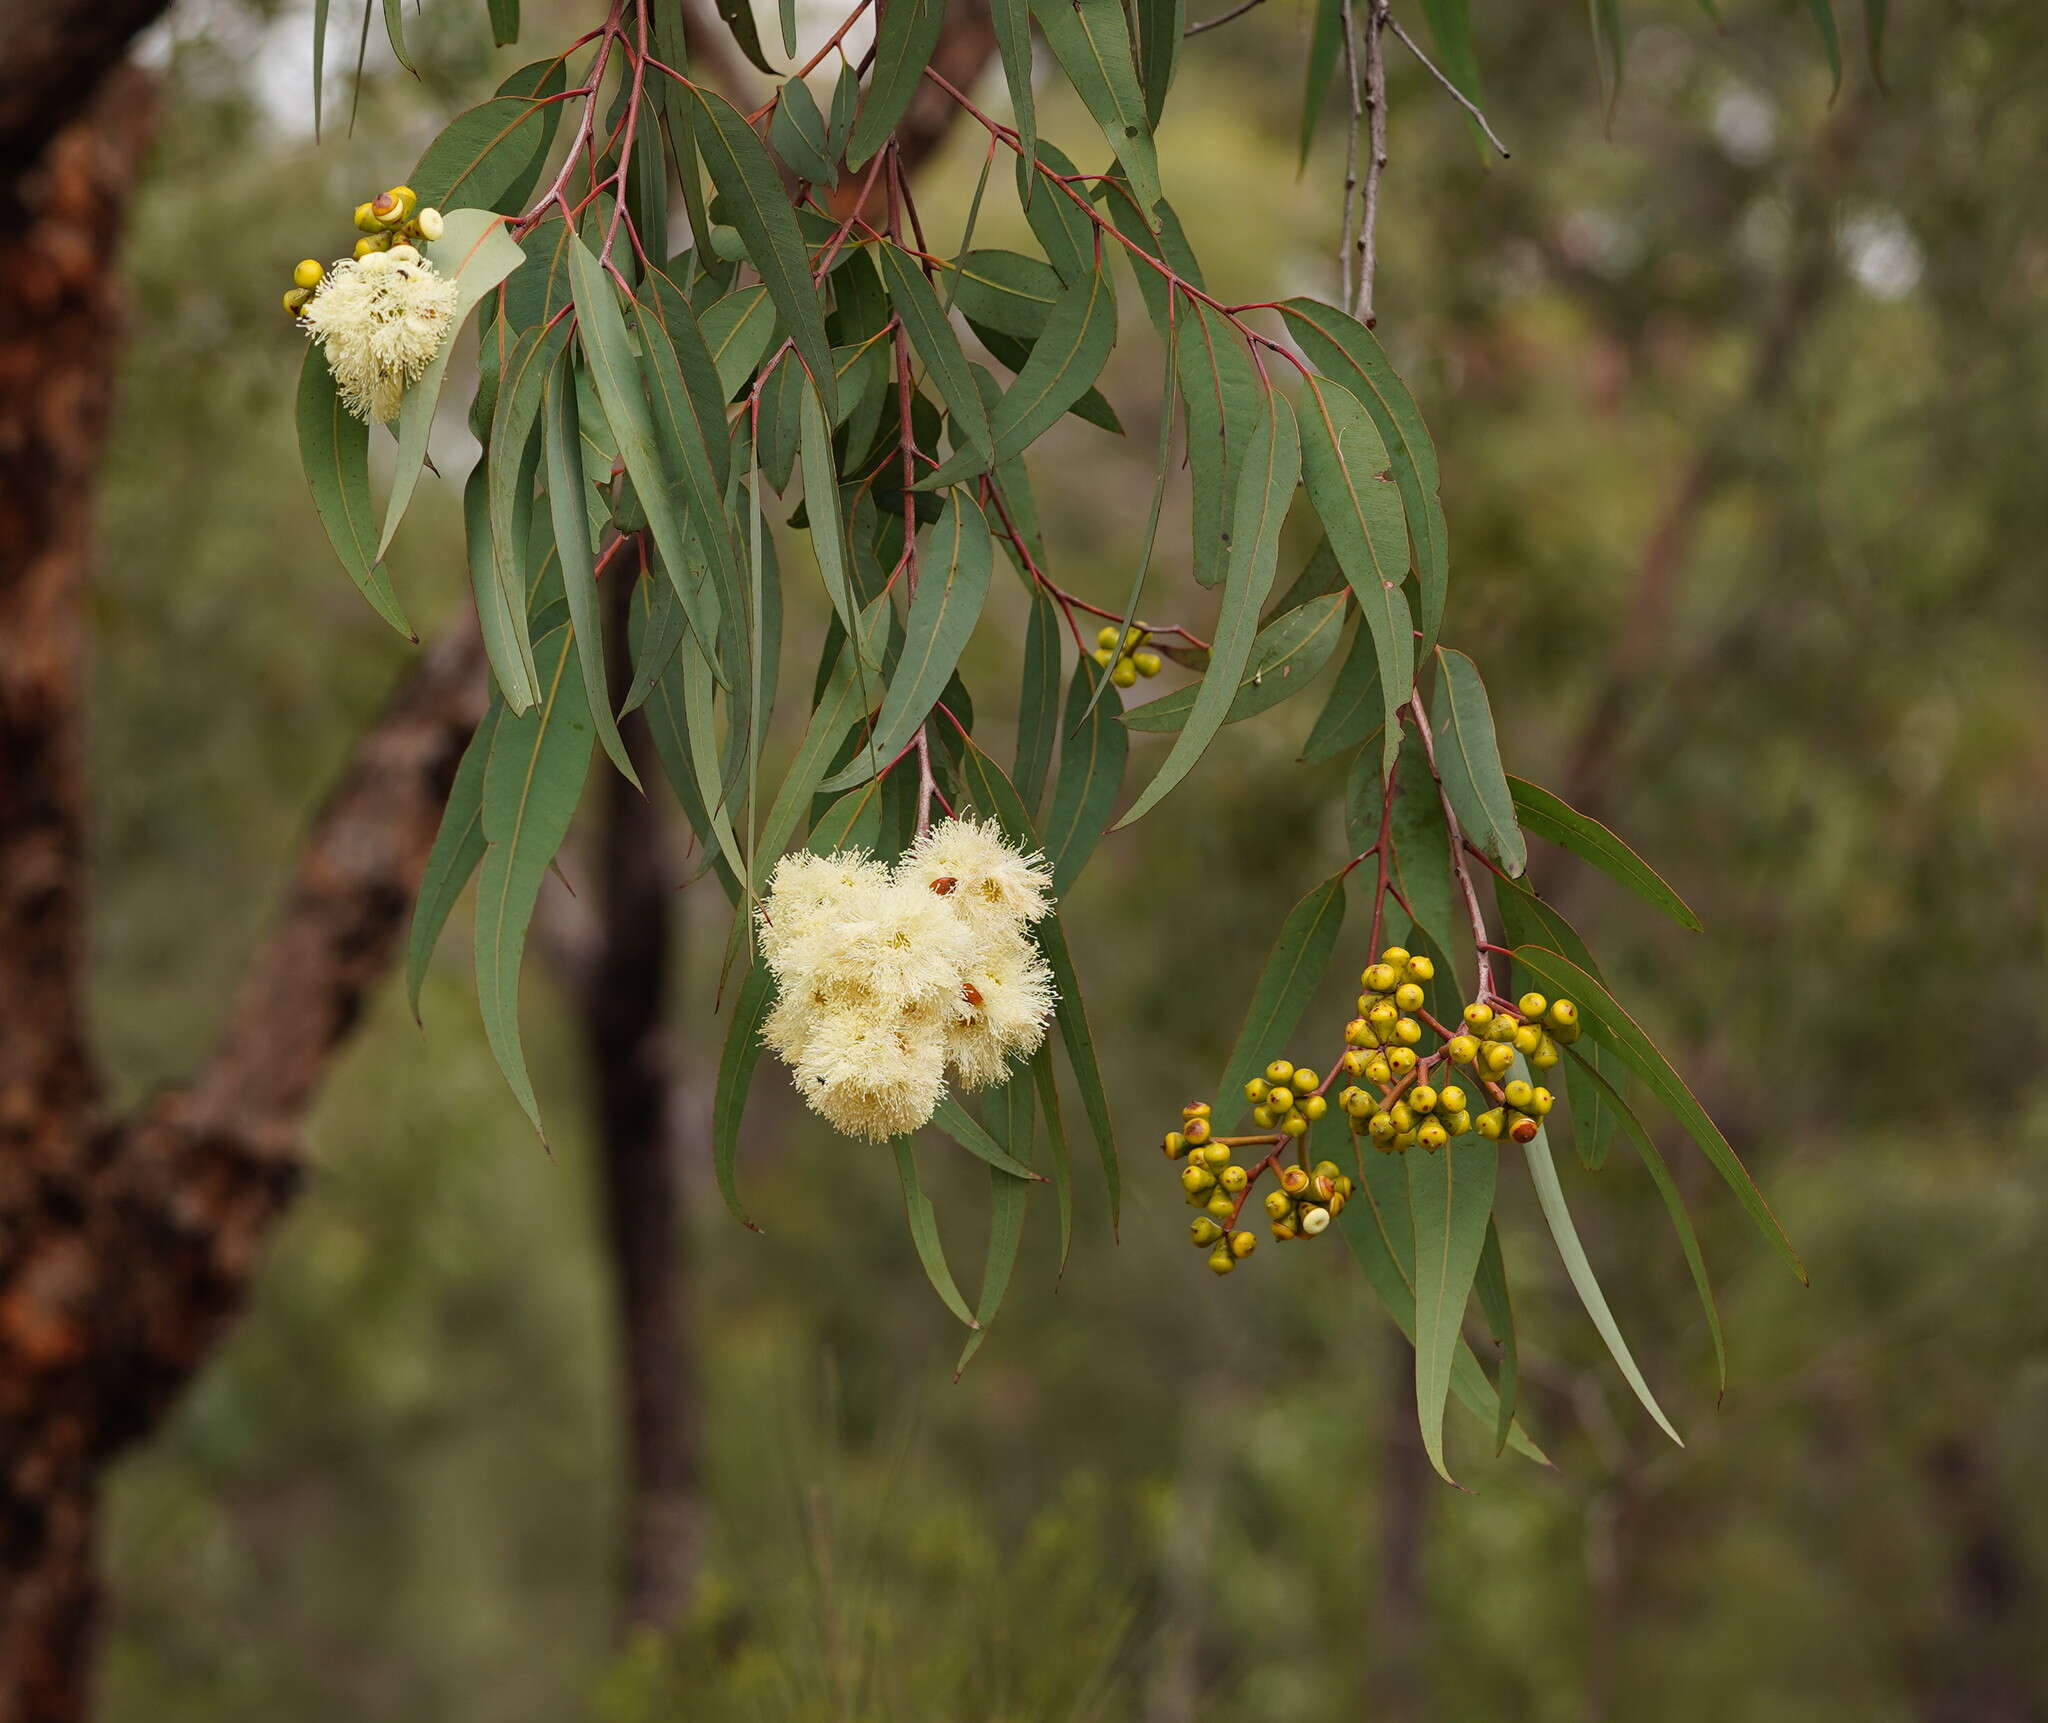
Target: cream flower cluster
[(380, 319), (887, 979)]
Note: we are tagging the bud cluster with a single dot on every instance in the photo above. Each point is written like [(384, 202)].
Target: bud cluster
[(1123, 653), (1388, 1096), (391, 224)]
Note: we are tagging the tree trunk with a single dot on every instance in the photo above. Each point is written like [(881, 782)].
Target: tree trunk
[(627, 1036)]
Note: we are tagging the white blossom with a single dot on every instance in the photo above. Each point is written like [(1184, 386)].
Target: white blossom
[(380, 321)]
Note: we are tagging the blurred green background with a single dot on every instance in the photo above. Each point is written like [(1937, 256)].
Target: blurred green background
[(1156, 1497)]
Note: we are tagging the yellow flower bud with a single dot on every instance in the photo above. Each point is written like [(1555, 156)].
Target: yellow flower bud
[(1107, 637), (295, 299), (1221, 1261), (1396, 956), (310, 272), (1203, 1231), (1463, 1049), (1173, 1145), (1255, 1090), (1242, 1244), (1408, 996), (1532, 1005), (1315, 1107), (1280, 1071), (1125, 675), (1421, 968)]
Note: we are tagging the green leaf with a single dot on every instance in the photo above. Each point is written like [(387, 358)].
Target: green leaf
[(334, 449), (1067, 359), (950, 595), (1265, 487), (488, 156), (504, 21), (394, 33), (1550, 1199), (1362, 516), (579, 570), (821, 506), (1012, 19), (1608, 53), (904, 41), (1355, 707), (738, 17), (1161, 25), (838, 703), (995, 796), (1451, 27), (1093, 749), (320, 8), (1008, 1110), (458, 847), (1491, 1283), (532, 784), (601, 332), (1550, 816), (1092, 43), (1674, 1204), (1287, 656), (924, 1234), (689, 461), (1037, 698), (1450, 1197), (1422, 847), (1225, 403), (1823, 13), (962, 1127), (798, 132), (1005, 291), (739, 330), (1047, 1085), (932, 338), (1377, 1226), (508, 475), (1612, 1027), (1325, 44), (477, 252), (1468, 760), (745, 176), (500, 602), (1296, 963), (1345, 351), (736, 1062)]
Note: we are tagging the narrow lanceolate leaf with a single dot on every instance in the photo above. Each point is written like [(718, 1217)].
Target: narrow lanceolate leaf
[(504, 21), (1046, 1084), (1450, 1197), (1013, 42), (532, 784), (1038, 698), (1093, 749), (1346, 352), (500, 600), (736, 1062), (1491, 1283), (684, 445), (1325, 43), (1161, 25), (1823, 12), (1468, 759), (964, 1129), (1525, 919), (1422, 847), (1293, 967), (1355, 707), (1068, 358), (1876, 14), (1362, 517), (995, 796), (578, 562), (487, 156), (1378, 1227), (477, 252), (458, 847), (951, 591), (1674, 1204), (1272, 465), (1552, 817), (1092, 43), (838, 704), (1451, 26), (745, 175), (738, 331), (798, 133), (1289, 653), (616, 372), (334, 449), (1225, 401), (924, 1234), (1550, 1199), (821, 506), (1008, 1110), (932, 338), (1612, 1027), (904, 41), (508, 462), (1608, 54)]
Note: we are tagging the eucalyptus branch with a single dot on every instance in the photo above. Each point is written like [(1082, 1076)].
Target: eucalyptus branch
[(1457, 95)]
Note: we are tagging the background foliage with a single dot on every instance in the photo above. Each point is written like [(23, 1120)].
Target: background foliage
[(1152, 1497)]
